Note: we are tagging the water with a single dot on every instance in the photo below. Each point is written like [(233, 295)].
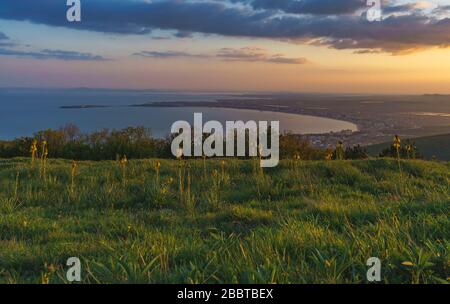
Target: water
[(23, 112)]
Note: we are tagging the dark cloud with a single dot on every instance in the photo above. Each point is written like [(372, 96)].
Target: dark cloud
[(315, 7), (51, 54), (322, 22), (249, 54), (442, 9), (183, 34)]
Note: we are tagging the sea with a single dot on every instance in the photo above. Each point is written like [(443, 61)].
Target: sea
[(26, 111)]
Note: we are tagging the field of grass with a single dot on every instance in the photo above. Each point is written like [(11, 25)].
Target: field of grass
[(430, 146), (224, 222)]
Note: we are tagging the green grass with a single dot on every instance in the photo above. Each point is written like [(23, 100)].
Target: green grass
[(430, 146), (309, 222)]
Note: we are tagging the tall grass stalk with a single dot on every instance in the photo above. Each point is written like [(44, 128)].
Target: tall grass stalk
[(73, 173), (123, 165), (16, 186)]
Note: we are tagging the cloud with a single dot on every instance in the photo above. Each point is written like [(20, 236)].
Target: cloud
[(332, 23), (183, 34), (167, 54), (246, 54), (51, 54), (314, 7), (5, 41), (252, 54)]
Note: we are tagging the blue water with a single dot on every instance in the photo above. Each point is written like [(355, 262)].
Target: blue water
[(25, 111)]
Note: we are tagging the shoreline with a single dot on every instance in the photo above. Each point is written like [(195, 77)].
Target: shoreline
[(274, 109), (377, 118)]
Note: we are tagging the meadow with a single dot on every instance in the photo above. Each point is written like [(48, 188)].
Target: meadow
[(224, 221)]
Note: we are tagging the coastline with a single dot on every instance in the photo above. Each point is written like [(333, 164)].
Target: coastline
[(218, 105), (377, 118)]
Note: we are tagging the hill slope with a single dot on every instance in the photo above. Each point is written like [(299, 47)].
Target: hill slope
[(438, 146), (310, 222)]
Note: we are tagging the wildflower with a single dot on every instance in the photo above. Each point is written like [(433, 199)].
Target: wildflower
[(327, 263), (223, 169), (215, 173), (123, 163), (124, 160), (25, 224), (157, 169), (33, 151), (43, 149), (45, 278), (73, 173), (340, 150), (397, 142), (44, 154), (329, 155), (129, 228), (408, 148), (408, 263), (397, 145)]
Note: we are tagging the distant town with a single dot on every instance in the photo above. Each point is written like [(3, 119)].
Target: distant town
[(378, 117)]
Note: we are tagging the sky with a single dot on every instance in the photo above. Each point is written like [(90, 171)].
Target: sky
[(325, 46)]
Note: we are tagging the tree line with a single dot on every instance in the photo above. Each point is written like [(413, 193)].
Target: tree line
[(69, 142)]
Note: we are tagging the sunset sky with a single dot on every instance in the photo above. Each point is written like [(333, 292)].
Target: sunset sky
[(233, 45)]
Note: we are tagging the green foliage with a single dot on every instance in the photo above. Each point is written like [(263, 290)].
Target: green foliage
[(302, 222), (356, 152), (407, 151), (69, 143), (136, 143)]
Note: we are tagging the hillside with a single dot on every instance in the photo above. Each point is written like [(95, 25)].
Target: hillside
[(224, 222), (429, 146)]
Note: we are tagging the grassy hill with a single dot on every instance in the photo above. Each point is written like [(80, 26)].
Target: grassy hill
[(224, 222), (438, 146)]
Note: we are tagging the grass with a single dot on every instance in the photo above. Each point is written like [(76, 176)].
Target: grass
[(308, 222)]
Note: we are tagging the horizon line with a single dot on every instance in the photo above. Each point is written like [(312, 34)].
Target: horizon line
[(227, 91)]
